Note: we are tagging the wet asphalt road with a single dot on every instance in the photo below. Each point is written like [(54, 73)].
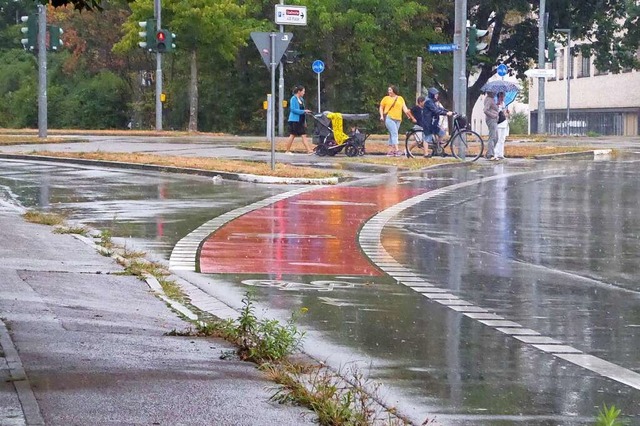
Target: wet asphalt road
[(552, 246)]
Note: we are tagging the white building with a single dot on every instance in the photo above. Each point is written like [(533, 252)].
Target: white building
[(600, 102)]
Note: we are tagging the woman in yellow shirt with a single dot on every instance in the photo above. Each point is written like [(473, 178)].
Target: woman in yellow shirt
[(391, 108)]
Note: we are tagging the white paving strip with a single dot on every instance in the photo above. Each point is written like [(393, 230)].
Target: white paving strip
[(184, 254), (370, 243)]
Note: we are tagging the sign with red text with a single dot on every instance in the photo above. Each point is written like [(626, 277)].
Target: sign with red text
[(291, 15)]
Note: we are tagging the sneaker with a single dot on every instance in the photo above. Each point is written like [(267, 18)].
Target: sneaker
[(391, 154), (399, 154), (288, 153)]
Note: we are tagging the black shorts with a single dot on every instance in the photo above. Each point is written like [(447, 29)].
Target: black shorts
[(296, 128)]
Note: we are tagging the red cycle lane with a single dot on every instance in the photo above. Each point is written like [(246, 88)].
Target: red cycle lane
[(314, 233)]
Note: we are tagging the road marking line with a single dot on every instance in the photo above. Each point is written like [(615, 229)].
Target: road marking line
[(370, 243)]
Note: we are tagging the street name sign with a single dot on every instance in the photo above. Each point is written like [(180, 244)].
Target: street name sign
[(291, 15), (263, 43), (443, 47), (539, 72)]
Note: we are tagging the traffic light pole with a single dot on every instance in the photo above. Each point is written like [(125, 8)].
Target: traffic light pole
[(460, 58), (460, 62), (42, 71), (158, 14), (541, 65)]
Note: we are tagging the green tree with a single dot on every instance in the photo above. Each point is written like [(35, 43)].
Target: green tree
[(211, 29)]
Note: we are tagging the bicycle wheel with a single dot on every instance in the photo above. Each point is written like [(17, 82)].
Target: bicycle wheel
[(413, 144), (468, 142)]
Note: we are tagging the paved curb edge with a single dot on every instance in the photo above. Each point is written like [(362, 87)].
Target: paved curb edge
[(28, 401), (183, 170), (580, 154)]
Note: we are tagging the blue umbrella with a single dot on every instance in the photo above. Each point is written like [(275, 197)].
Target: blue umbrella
[(498, 86), (509, 97)]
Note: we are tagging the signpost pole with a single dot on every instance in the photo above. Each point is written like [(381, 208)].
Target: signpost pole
[(273, 90), (318, 93), (318, 66), (281, 91), (418, 77)]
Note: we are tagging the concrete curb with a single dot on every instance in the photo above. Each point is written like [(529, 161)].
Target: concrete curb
[(580, 154), (182, 170), (30, 407)]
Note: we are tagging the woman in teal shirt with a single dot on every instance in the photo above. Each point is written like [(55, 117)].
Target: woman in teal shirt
[(297, 122)]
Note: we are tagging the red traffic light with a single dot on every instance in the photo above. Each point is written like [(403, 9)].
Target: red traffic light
[(160, 36)]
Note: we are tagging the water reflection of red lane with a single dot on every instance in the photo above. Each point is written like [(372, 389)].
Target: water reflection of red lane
[(312, 233)]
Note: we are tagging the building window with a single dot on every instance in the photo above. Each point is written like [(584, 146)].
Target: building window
[(571, 65), (560, 65), (585, 66)]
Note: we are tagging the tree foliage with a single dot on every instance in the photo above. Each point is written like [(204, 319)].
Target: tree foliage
[(607, 30), (216, 81)]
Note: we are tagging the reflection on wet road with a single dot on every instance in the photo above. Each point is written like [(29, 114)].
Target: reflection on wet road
[(552, 247)]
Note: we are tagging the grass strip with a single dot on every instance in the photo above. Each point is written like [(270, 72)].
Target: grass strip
[(212, 164), (6, 140), (107, 132), (530, 151)]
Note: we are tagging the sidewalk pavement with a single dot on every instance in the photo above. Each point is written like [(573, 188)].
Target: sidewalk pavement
[(83, 345)]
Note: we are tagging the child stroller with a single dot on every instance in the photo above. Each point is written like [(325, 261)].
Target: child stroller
[(330, 138)]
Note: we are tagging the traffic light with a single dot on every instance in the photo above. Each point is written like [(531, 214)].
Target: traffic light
[(55, 34), (475, 46), (164, 41), (31, 31), (148, 35), (551, 51)]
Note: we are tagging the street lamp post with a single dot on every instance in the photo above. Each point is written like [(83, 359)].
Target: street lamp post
[(569, 72), (542, 28)]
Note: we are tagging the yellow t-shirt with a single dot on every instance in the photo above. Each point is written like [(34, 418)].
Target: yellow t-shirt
[(396, 112)]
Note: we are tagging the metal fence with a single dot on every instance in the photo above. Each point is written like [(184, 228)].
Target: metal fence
[(581, 123)]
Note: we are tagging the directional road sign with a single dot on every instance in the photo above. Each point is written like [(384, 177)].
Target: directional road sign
[(317, 66), (538, 72), (502, 70), (443, 47), (263, 43), (291, 15)]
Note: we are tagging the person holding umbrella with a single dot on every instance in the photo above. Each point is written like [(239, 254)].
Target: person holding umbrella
[(491, 113), (491, 110), (503, 127)]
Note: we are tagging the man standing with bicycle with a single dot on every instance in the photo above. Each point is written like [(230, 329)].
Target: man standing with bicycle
[(431, 120)]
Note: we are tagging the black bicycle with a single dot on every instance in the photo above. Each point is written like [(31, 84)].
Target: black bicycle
[(464, 143)]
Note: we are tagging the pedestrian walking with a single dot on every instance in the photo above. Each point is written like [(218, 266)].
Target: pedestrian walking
[(503, 127), (491, 116), (297, 120), (391, 108)]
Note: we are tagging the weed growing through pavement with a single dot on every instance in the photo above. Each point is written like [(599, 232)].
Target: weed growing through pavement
[(43, 218), (262, 340), (79, 230), (608, 416), (106, 239), (342, 398)]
